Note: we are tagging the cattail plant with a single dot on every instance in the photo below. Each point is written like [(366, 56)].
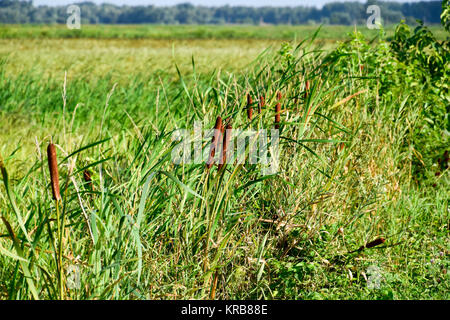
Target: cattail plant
[(226, 142), (88, 178), (307, 86), (54, 179), (218, 128), (278, 111), (249, 106), (261, 104), (53, 167)]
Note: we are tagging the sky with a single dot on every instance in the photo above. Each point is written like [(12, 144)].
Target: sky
[(255, 3)]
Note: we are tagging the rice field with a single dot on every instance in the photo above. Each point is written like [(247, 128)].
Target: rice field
[(94, 207)]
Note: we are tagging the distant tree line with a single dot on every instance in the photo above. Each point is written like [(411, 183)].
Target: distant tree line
[(343, 13)]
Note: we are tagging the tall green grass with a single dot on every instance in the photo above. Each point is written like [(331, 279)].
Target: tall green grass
[(171, 32)]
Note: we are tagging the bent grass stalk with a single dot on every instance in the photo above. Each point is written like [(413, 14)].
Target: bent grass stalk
[(214, 286)]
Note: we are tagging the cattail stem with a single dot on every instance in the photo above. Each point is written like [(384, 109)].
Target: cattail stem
[(249, 107), (59, 254), (217, 133), (54, 180)]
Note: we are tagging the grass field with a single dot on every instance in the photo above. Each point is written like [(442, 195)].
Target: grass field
[(94, 58), (194, 32), (363, 158)]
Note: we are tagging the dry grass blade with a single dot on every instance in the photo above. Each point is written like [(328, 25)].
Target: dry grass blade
[(83, 210), (214, 286), (349, 98)]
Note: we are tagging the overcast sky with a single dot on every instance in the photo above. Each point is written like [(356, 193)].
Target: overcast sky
[(205, 2)]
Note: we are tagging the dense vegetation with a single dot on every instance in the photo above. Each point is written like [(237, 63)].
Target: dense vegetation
[(361, 195), (343, 13)]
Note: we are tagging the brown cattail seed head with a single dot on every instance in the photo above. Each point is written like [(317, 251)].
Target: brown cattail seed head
[(279, 96), (262, 103), (277, 115), (249, 106), (87, 177), (307, 85), (53, 167), (277, 112), (218, 128), (226, 142), (222, 130), (375, 242)]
